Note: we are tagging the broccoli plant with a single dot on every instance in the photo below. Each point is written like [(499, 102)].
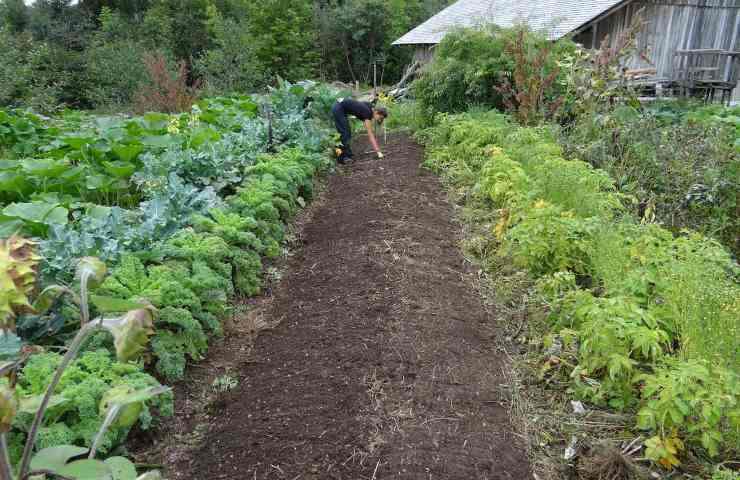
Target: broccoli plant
[(121, 406)]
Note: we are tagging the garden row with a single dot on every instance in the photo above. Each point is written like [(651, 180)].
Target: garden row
[(678, 160), (639, 319), (187, 208)]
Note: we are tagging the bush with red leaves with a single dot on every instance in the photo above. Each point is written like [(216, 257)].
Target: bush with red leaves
[(166, 91)]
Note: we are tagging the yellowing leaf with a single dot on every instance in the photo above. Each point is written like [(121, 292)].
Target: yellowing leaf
[(18, 262), (131, 332)]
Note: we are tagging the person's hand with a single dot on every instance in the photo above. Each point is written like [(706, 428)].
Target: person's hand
[(380, 156)]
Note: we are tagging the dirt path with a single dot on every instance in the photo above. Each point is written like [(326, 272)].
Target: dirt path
[(378, 362)]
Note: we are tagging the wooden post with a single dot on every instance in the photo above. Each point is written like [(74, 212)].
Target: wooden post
[(595, 36), (375, 78)]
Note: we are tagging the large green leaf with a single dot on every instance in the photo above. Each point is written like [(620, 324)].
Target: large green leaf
[(86, 470), (98, 182), (44, 167), (156, 121), (203, 135), (159, 141), (99, 212), (38, 212), (77, 142), (10, 345), (57, 216), (127, 153), (121, 468), (114, 305), (120, 169), (31, 403), (9, 226), (13, 182), (55, 458)]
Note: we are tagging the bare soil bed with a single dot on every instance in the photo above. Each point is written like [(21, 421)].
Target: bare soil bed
[(374, 360)]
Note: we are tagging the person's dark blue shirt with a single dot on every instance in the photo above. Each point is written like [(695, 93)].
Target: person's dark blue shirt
[(361, 110)]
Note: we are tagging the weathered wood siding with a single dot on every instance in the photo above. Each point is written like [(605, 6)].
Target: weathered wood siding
[(424, 53), (670, 25)]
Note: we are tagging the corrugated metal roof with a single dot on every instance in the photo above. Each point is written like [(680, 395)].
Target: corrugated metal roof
[(555, 17)]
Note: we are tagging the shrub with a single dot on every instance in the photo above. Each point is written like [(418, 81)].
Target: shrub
[(230, 67), (464, 72), (35, 74), (115, 72), (114, 62), (684, 173), (548, 239), (470, 68), (693, 400), (166, 90), (532, 80)]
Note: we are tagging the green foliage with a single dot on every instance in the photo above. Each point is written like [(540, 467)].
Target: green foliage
[(721, 473), (180, 26), (681, 168), (34, 73), (405, 115), (549, 239), (695, 399), (77, 53), (471, 66), (74, 418), (168, 170), (616, 336), (115, 68), (231, 65), (182, 319), (283, 37), (651, 319)]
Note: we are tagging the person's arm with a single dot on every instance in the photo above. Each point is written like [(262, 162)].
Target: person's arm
[(373, 140)]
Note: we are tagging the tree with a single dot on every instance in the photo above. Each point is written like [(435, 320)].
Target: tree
[(14, 14), (129, 8), (115, 68), (231, 66), (180, 26), (284, 35)]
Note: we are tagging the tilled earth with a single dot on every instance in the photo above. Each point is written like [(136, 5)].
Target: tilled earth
[(375, 357)]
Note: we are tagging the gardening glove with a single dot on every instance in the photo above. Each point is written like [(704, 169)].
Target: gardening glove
[(380, 156)]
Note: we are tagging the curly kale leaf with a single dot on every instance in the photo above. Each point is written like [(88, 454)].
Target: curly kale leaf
[(248, 272), (181, 320), (129, 280), (192, 246), (231, 227), (169, 349), (77, 419)]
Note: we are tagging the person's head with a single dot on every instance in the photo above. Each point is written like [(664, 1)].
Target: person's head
[(380, 114)]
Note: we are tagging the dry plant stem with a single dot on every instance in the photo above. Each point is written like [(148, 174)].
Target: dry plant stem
[(44, 472), (112, 414), (74, 348), (83, 299), (6, 473)]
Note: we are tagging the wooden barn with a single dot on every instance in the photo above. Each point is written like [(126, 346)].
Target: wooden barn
[(684, 45)]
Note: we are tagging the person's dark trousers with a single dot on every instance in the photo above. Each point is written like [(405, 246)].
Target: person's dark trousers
[(342, 124)]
